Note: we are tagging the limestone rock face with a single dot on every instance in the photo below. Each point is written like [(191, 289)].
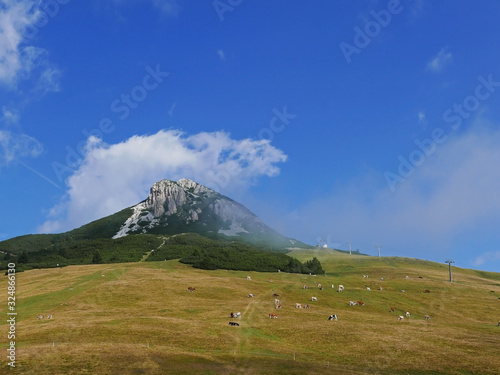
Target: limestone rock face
[(197, 207)]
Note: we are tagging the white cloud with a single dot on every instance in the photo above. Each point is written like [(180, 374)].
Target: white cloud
[(488, 256), (438, 62), (167, 7), (16, 146), (112, 177), (49, 81), (422, 118), (18, 59), (448, 203), (221, 54), (9, 115)]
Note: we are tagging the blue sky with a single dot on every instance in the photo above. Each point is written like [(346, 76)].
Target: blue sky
[(362, 121)]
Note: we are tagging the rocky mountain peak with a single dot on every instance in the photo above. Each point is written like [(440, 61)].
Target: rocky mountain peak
[(186, 206)]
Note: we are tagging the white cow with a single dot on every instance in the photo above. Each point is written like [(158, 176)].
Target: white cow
[(341, 288), (49, 316), (401, 317), (314, 299), (407, 314), (277, 301), (365, 276), (39, 317), (298, 306), (368, 288), (251, 295), (352, 303), (249, 278)]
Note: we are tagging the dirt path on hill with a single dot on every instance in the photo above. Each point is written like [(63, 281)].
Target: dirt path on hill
[(146, 256)]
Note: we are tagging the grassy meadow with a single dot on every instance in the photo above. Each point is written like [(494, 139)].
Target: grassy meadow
[(138, 318)]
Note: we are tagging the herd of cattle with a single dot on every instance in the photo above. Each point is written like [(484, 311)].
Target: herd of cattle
[(277, 302)]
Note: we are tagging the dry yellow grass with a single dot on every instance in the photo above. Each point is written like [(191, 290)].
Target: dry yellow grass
[(139, 319)]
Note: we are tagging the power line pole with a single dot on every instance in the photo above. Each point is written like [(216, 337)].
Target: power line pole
[(378, 247), (450, 261), (349, 243)]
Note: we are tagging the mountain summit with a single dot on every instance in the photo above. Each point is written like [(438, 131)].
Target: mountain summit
[(182, 206), (178, 220)]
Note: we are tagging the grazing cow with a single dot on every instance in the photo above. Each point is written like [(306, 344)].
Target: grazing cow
[(401, 317), (235, 315), (427, 291), (234, 324), (49, 316), (407, 314), (406, 277), (341, 288), (305, 287), (314, 299), (251, 295), (427, 317), (320, 286), (306, 306), (498, 321), (298, 306), (191, 289), (402, 290), (249, 278), (382, 279), (361, 303), (273, 316), (393, 309), (277, 301), (332, 317), (278, 306), (379, 288), (39, 317), (368, 288), (275, 295), (365, 276), (352, 303)]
